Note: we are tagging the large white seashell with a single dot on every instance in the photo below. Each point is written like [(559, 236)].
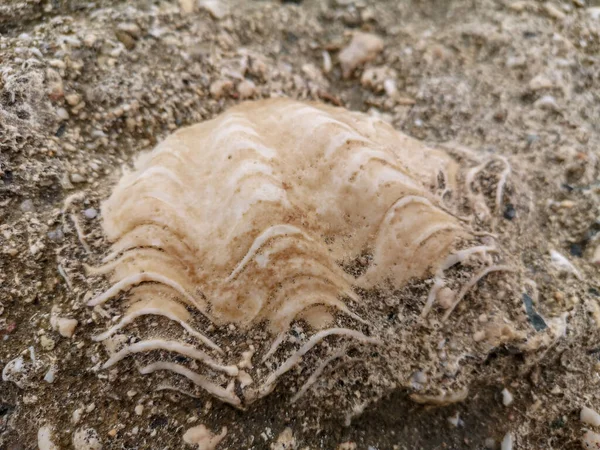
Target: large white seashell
[(250, 217)]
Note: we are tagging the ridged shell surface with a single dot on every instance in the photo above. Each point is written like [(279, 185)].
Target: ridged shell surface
[(250, 217)]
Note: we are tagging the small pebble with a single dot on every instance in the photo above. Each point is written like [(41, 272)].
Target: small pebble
[(507, 442), (139, 410), (219, 88), (73, 99), (62, 114), (246, 89), (76, 416), (50, 375), (507, 397), (363, 48), (56, 235), (77, 178), (590, 440), (455, 420), (66, 327), (216, 8), (445, 297), (554, 12), (589, 416), (47, 343), (26, 206), (548, 103), (45, 439), (90, 213), (479, 336)]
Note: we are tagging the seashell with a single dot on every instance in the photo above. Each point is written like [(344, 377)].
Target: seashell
[(251, 218)]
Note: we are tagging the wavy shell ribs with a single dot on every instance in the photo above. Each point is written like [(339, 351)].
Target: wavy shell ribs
[(250, 218)]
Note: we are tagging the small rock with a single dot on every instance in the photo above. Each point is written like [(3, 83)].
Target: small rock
[(490, 443), (66, 327), (510, 212), (554, 12), (479, 336), (219, 88), (45, 439), (139, 410), (89, 40), (203, 438), (73, 99), (389, 86), (420, 377), (76, 416), (90, 213), (26, 206), (547, 102), (513, 62), (77, 178), (327, 65), (540, 82), (507, 442), (346, 446), (56, 235), (216, 8), (86, 439), (589, 416), (445, 297), (591, 440), (285, 441), (562, 264), (130, 28), (62, 114), (507, 397), (19, 371), (112, 433), (47, 343), (50, 375), (363, 48), (246, 89), (455, 420), (57, 64), (126, 39)]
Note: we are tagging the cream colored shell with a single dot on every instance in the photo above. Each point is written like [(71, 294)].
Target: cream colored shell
[(249, 217)]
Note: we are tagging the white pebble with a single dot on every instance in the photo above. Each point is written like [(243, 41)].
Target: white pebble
[(90, 213), (66, 327), (45, 439), (50, 375), (589, 416), (139, 410), (455, 420), (76, 417), (507, 397), (62, 114), (327, 65), (590, 440), (246, 89), (507, 442), (363, 48)]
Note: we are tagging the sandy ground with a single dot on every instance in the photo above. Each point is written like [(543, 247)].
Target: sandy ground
[(86, 86)]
